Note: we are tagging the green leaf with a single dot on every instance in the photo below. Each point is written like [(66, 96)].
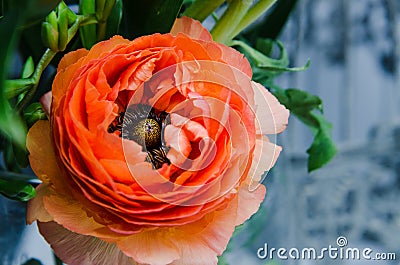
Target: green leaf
[(265, 67), (222, 260), (9, 157), (323, 148), (17, 190), (11, 124), (114, 20), (28, 68), (272, 24), (201, 9), (33, 113), (148, 17), (301, 103), (88, 33), (304, 106), (12, 176), (34, 10)]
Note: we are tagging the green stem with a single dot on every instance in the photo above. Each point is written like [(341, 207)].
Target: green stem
[(101, 30), (43, 63), (254, 13), (47, 57), (15, 87), (82, 20), (201, 9), (222, 30)]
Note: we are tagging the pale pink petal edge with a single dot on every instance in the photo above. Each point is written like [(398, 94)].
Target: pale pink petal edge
[(272, 116), (192, 28), (77, 249)]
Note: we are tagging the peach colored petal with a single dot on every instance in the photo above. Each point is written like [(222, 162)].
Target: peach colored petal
[(41, 153), (63, 78), (191, 27), (35, 209), (71, 214), (249, 202), (150, 247), (197, 243), (271, 115), (235, 59), (105, 47), (76, 249), (265, 156), (71, 58), (179, 143)]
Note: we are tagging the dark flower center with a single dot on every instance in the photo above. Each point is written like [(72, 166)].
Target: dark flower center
[(147, 133), (144, 125)]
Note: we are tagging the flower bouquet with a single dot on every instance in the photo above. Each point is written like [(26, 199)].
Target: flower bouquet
[(146, 129)]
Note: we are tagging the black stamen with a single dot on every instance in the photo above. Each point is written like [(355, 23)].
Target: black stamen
[(144, 125)]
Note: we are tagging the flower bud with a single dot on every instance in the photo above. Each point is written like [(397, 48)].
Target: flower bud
[(55, 28), (50, 36), (33, 113), (62, 27)]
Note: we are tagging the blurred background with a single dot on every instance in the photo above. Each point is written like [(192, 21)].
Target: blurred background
[(354, 48)]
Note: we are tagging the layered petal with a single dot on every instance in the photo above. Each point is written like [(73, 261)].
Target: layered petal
[(271, 115), (191, 27), (77, 249), (154, 150)]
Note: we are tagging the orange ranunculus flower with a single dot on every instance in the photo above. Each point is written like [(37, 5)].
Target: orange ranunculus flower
[(153, 151)]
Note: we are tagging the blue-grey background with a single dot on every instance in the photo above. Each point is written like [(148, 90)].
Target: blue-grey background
[(354, 47)]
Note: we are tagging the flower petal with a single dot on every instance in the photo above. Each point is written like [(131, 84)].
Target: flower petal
[(76, 249), (249, 202), (71, 214), (41, 153), (197, 243), (71, 58), (191, 27), (271, 115), (150, 247), (265, 156), (45, 100), (35, 209)]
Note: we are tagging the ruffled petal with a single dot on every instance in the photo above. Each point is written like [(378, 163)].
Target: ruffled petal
[(105, 47), (71, 215), (249, 202), (151, 247), (76, 249), (67, 68), (191, 27), (265, 156), (272, 116), (71, 58), (35, 209), (41, 153), (197, 243)]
